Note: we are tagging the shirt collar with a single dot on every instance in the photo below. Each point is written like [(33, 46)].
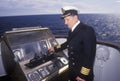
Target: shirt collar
[(75, 26)]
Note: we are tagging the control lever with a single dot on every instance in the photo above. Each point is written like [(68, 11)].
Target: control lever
[(34, 62), (48, 56), (40, 60)]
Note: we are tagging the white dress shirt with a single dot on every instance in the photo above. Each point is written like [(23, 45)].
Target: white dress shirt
[(75, 25)]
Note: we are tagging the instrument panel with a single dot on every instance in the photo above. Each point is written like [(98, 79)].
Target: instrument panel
[(30, 50)]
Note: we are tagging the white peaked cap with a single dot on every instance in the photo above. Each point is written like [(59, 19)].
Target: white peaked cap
[(69, 8)]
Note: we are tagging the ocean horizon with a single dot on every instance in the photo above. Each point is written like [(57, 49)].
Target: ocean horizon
[(107, 26)]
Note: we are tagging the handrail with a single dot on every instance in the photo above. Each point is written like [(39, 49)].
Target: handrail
[(98, 42)]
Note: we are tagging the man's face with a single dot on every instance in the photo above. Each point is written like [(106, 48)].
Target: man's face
[(69, 21)]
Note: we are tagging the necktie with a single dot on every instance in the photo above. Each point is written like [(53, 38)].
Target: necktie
[(69, 33)]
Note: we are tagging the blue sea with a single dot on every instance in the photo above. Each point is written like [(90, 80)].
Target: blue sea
[(107, 26)]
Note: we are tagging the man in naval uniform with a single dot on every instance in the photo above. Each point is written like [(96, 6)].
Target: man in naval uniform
[(81, 45)]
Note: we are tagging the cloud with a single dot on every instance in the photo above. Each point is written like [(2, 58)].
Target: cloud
[(24, 7), (118, 1)]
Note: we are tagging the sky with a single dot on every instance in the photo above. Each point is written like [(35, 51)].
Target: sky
[(37, 7)]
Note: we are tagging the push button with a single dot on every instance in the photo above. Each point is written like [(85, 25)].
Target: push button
[(72, 58), (67, 46), (73, 63), (72, 52)]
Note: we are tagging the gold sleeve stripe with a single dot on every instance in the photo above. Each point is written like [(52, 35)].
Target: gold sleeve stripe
[(58, 46), (85, 71)]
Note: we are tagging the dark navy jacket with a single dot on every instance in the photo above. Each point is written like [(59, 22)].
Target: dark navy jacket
[(81, 45)]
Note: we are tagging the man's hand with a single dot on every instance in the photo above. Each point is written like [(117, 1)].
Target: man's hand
[(51, 50), (79, 79)]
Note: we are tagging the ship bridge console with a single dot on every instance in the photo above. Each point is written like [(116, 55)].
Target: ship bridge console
[(26, 56)]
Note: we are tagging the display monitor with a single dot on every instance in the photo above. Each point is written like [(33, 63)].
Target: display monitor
[(30, 44)]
